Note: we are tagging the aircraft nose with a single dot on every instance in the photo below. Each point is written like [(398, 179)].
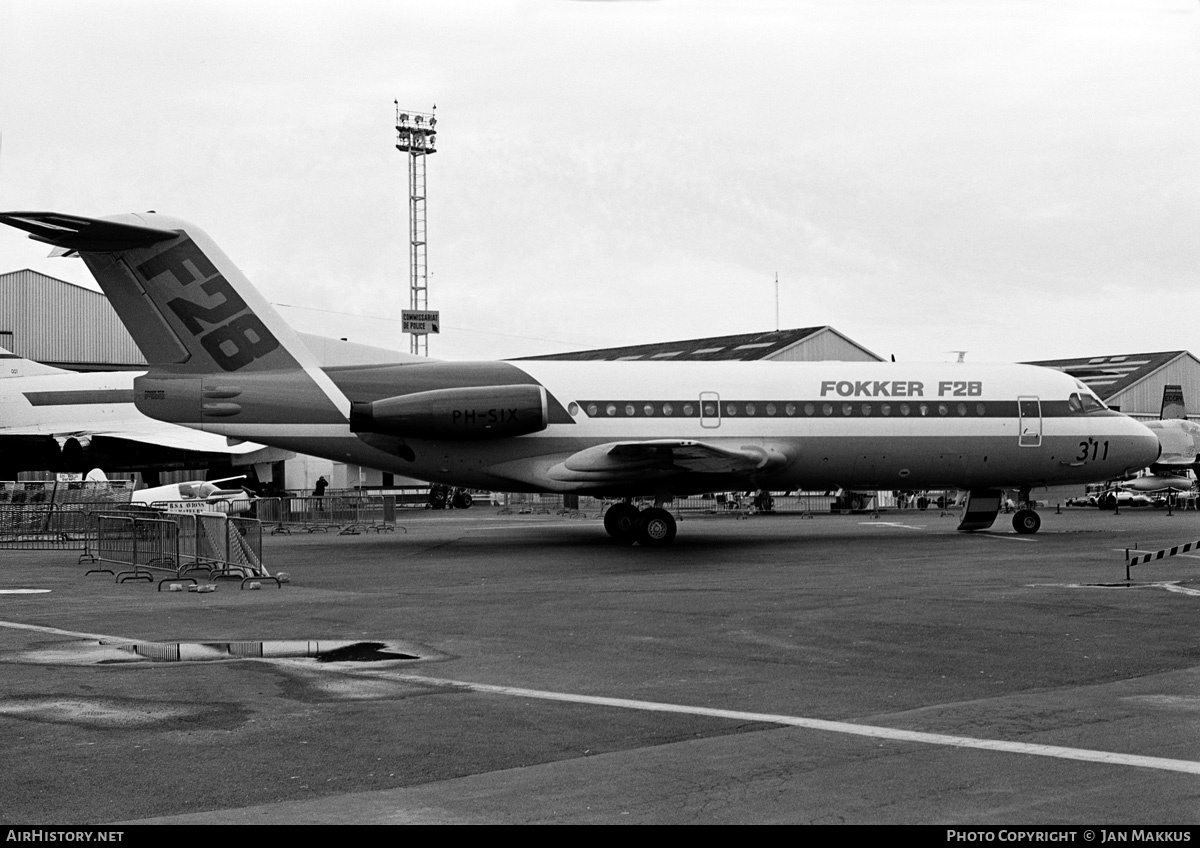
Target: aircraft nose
[(1148, 447)]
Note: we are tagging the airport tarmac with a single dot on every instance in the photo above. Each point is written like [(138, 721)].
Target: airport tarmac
[(839, 669)]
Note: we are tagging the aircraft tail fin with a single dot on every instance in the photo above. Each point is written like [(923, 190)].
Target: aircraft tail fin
[(12, 365), (192, 313), (1173, 405), (185, 303)]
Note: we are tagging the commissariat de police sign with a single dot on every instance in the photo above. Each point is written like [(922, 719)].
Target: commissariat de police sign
[(420, 323)]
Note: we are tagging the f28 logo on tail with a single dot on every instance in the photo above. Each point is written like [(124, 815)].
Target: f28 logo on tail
[(232, 334)]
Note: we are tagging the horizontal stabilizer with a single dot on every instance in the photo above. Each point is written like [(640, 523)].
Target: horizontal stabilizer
[(74, 232)]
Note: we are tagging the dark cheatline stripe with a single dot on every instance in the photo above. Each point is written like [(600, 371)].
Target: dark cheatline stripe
[(80, 397), (824, 408)]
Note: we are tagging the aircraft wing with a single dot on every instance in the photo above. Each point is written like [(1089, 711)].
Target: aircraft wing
[(664, 457), (184, 439)]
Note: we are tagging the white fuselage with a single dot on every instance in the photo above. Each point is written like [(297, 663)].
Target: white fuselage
[(817, 425)]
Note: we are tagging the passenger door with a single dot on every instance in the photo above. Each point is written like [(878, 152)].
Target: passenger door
[(1029, 410), (710, 410)]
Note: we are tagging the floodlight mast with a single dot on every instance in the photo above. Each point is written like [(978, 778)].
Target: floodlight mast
[(416, 135)]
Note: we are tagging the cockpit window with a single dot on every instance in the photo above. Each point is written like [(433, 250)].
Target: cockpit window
[(1085, 401)]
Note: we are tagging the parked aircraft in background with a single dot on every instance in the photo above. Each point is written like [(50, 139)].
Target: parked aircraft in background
[(223, 361), (1176, 467), (195, 496), (53, 419)]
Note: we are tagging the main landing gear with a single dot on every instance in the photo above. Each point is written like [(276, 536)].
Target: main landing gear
[(653, 527)]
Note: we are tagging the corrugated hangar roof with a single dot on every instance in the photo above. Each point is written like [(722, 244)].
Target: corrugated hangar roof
[(748, 346), (1109, 375)]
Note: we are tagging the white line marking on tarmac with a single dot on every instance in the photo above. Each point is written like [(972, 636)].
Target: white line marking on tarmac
[(1056, 751), (1169, 585), (530, 526), (58, 632), (892, 524), (24, 591), (1007, 537)]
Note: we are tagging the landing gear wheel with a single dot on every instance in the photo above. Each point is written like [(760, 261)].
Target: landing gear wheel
[(658, 528), (1026, 521), (621, 521)]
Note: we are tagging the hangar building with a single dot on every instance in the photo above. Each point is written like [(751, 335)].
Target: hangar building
[(1133, 383), (809, 344), (50, 320)]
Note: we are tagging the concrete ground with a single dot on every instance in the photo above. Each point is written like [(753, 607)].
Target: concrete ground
[(840, 669)]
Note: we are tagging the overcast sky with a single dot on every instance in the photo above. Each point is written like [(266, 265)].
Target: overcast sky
[(1019, 179)]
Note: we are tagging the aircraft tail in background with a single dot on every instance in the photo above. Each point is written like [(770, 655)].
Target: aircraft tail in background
[(12, 365), (1173, 405), (193, 314)]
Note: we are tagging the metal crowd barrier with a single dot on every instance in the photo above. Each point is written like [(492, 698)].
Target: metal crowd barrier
[(348, 514), (137, 543), (178, 543), (54, 515)]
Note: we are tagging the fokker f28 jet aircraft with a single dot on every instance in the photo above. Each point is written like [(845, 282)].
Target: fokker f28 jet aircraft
[(222, 360)]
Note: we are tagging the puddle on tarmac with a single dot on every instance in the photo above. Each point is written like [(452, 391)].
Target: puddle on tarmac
[(325, 650), (322, 651)]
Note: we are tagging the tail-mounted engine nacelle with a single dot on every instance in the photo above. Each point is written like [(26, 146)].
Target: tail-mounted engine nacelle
[(476, 412)]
